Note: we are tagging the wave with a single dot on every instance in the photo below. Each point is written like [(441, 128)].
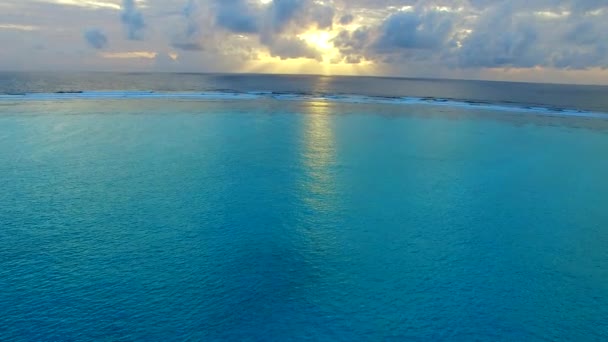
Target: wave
[(223, 95)]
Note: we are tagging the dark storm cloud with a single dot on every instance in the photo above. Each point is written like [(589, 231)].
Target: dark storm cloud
[(95, 38), (584, 33), (291, 47), (188, 46), (276, 24), (512, 35), (188, 38), (584, 45), (346, 19), (576, 6), (302, 13), (237, 16), (400, 36), (189, 13), (479, 34), (352, 45), (588, 5), (133, 20), (284, 11), (322, 15), (501, 39), (414, 30), (278, 16)]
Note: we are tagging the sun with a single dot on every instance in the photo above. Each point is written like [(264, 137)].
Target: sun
[(322, 42), (330, 63)]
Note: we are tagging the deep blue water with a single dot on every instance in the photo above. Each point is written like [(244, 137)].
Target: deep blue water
[(268, 220)]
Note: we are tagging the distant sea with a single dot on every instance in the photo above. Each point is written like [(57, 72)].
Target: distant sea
[(162, 207), (555, 97)]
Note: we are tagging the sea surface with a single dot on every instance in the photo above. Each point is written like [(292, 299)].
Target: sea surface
[(188, 207)]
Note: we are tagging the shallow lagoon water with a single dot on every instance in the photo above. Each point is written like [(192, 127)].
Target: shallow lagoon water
[(267, 220)]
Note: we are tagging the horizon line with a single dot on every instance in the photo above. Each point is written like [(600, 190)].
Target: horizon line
[(227, 73)]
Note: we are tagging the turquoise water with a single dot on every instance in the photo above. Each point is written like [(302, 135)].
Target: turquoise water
[(274, 221)]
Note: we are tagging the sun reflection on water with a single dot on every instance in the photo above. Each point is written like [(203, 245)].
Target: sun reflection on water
[(319, 156)]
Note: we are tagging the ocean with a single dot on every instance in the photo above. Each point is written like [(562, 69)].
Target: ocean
[(173, 207)]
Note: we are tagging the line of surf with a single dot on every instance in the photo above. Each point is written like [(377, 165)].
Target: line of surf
[(342, 98)]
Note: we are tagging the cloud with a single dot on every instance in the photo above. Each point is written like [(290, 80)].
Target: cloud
[(289, 47), (189, 13), (188, 46), (190, 35), (285, 19), (481, 34), (276, 24), (237, 16), (282, 14), (414, 29), (532, 35), (502, 39), (346, 19), (584, 33), (352, 45), (96, 38), (397, 37), (406, 34), (322, 15), (133, 20)]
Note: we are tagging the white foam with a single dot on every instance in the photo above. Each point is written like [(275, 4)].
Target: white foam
[(117, 95), (355, 99)]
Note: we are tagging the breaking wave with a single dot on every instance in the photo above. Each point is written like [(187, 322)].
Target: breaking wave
[(225, 95)]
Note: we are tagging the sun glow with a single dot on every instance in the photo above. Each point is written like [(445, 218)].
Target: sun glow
[(321, 40), (275, 65), (130, 55), (331, 61)]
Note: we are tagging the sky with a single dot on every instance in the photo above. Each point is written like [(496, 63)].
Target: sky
[(563, 41)]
